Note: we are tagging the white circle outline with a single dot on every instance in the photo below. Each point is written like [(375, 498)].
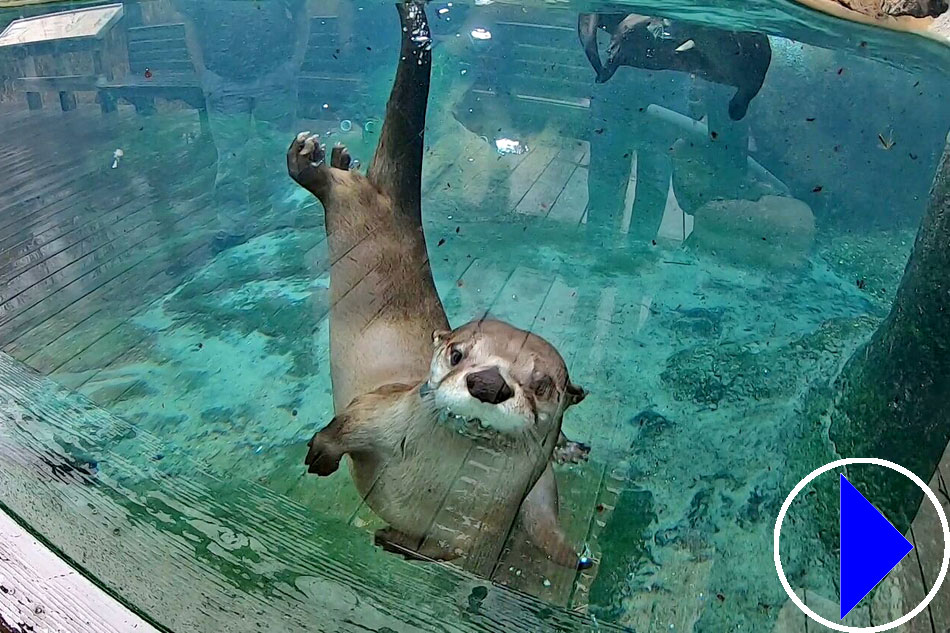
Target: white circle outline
[(943, 524)]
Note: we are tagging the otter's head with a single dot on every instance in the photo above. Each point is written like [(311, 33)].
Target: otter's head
[(510, 380)]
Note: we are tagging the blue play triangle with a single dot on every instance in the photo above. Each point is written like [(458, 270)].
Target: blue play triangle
[(870, 546)]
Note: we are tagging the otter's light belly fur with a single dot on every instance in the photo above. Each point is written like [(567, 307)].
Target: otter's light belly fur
[(465, 487)]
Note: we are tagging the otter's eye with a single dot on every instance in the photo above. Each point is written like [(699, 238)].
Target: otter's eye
[(455, 357), (543, 386)]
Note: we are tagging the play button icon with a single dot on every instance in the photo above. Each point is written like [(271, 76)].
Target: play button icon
[(870, 546)]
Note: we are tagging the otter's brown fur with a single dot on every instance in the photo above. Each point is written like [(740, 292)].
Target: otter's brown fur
[(399, 382)]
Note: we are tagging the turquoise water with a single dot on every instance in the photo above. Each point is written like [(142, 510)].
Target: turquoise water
[(709, 282)]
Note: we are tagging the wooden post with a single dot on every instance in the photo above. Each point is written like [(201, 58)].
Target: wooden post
[(67, 98), (107, 102), (893, 397), (34, 100)]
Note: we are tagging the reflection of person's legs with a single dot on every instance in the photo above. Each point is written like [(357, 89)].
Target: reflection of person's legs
[(610, 161), (733, 142), (275, 114), (653, 185), (730, 148), (229, 119)]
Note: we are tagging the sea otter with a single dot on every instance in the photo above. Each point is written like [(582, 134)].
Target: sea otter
[(724, 57), (450, 433)]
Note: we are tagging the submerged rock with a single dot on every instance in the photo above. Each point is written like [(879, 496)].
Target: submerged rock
[(650, 425), (773, 231)]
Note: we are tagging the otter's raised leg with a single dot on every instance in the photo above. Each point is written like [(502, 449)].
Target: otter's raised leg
[(539, 516), (397, 165)]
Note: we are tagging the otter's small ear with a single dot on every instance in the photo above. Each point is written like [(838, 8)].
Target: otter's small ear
[(439, 336), (575, 394)]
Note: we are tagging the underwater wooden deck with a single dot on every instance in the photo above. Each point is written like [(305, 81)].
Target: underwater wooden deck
[(85, 249)]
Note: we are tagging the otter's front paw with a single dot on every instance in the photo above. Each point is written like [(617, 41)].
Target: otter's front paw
[(571, 453), (305, 160), (324, 457)]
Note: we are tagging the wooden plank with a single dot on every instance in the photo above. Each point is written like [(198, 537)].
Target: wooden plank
[(828, 608), (323, 25), (519, 302), (526, 62), (46, 335), (39, 212), (588, 365), (571, 205), (479, 287), (167, 45), (574, 64), (42, 183), (47, 258), (87, 315), (54, 84), (197, 553), (899, 592), (596, 308), (445, 166), (928, 540), (522, 566), (608, 498), (72, 221), (158, 66), (41, 592), (73, 263), (173, 31), (526, 173), (112, 273), (137, 346), (144, 58), (521, 298), (547, 188)]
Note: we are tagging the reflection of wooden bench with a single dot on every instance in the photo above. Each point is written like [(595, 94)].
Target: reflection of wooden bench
[(90, 32), (328, 73), (333, 70), (538, 71), (160, 49), (160, 67)]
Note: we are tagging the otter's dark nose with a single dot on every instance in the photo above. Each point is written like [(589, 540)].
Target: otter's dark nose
[(488, 386)]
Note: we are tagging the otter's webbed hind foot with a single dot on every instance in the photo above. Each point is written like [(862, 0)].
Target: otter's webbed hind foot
[(570, 452), (306, 164)]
